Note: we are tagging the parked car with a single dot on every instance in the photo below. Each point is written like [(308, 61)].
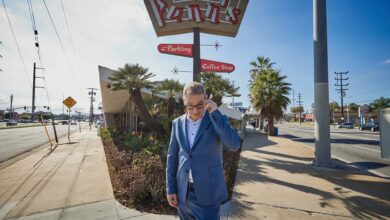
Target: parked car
[(372, 126), (73, 123), (346, 125), (12, 123), (64, 122)]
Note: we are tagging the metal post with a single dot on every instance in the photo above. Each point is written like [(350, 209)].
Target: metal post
[(69, 126), (321, 86), (196, 53), (33, 94), (54, 127)]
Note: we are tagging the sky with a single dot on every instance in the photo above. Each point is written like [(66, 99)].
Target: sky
[(113, 33)]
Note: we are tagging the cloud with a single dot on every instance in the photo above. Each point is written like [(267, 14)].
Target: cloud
[(386, 62)]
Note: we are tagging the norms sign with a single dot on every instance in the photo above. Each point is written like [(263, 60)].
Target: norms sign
[(220, 17)]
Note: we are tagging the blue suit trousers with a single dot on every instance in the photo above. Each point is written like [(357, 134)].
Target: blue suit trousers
[(191, 210)]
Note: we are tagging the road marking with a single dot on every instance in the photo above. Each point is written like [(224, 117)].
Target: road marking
[(334, 133), (351, 163), (365, 148)]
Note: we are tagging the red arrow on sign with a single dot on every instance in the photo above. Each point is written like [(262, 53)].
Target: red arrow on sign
[(214, 66), (184, 50)]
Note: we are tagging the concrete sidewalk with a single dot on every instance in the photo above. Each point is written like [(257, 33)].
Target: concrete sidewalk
[(276, 180), (69, 182)]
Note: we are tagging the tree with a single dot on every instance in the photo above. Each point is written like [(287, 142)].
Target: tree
[(380, 103), (270, 95), (217, 86), (173, 90), (353, 107), (258, 67), (134, 78), (297, 109)]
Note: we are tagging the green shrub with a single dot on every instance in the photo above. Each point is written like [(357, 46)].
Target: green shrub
[(108, 133)]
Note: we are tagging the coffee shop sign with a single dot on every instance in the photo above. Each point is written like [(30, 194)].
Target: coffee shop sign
[(164, 13)]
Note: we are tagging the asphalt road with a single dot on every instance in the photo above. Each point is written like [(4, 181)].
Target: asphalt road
[(18, 140), (360, 148)]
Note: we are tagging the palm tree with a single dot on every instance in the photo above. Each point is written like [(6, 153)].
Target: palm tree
[(217, 86), (173, 89), (380, 103), (258, 67), (270, 95), (134, 78)]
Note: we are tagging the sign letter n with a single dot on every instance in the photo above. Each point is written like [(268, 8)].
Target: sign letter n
[(158, 7), (212, 13)]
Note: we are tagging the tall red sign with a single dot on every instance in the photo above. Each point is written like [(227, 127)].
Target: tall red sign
[(184, 50), (214, 66)]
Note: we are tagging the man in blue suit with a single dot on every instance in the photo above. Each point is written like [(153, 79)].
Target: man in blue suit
[(194, 175)]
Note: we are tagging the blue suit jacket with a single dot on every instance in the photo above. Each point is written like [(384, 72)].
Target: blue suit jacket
[(204, 158)]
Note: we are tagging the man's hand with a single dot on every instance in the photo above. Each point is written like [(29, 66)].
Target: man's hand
[(172, 200), (210, 106)]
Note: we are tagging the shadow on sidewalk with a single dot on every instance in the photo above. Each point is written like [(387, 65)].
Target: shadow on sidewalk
[(333, 140), (370, 204)]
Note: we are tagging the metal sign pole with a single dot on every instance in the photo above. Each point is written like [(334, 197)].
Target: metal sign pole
[(69, 125), (196, 53)]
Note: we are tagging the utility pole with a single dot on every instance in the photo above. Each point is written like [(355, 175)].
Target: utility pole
[(321, 86), (91, 93), (33, 90), (63, 106), (342, 89), (11, 113), (300, 107), (293, 98)]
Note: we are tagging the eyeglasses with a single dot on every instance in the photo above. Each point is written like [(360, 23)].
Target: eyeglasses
[(192, 107)]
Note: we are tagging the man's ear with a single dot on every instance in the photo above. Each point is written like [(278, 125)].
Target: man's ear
[(206, 96)]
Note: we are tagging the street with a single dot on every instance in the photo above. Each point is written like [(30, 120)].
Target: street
[(360, 148), (18, 140)]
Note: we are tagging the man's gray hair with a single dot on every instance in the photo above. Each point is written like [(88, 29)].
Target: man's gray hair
[(193, 88)]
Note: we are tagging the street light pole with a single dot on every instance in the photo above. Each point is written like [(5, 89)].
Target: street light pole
[(321, 86)]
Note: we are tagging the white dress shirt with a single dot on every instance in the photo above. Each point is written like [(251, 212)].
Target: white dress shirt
[(192, 130)]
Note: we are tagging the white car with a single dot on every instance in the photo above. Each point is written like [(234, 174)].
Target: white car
[(346, 125)]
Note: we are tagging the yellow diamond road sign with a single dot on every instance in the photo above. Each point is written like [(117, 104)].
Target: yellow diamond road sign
[(69, 102)]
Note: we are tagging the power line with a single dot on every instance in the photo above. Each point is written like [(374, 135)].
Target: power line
[(61, 44), (34, 26), (35, 30), (71, 40), (339, 77), (371, 91), (17, 44)]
